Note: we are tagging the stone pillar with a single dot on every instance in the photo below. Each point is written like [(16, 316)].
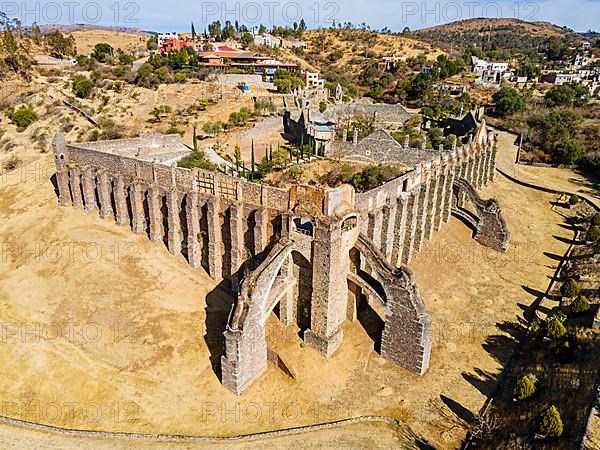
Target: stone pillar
[(174, 223), (155, 214), (479, 170), (75, 183), (104, 190), (447, 206), (411, 227), (422, 212), (287, 312), (432, 210), (400, 235), (390, 212), (378, 216), (119, 191), (136, 191), (236, 227), (194, 246), (441, 197), (261, 230), (486, 165), (89, 194), (215, 258), (59, 147), (331, 263), (493, 162)]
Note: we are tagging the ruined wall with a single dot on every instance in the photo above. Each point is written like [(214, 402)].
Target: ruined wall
[(402, 214)]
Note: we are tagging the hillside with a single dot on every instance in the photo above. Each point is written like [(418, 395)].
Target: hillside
[(502, 33), (128, 42)]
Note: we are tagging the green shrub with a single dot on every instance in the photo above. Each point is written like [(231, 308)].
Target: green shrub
[(570, 288), (24, 116), (594, 234), (555, 329), (82, 86), (11, 163), (596, 220), (573, 200), (197, 159), (550, 423), (580, 305), (525, 387), (174, 130)]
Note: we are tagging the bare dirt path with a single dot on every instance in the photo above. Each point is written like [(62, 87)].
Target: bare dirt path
[(584, 184)]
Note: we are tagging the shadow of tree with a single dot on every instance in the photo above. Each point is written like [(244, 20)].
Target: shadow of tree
[(483, 381), (459, 410)]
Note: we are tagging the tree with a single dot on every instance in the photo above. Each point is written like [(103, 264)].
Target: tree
[(555, 329), (82, 86), (323, 106), (508, 101), (24, 116), (568, 95), (60, 45), (247, 39), (237, 154), (594, 234), (102, 51), (573, 200), (570, 288), (252, 160), (550, 423), (554, 128), (195, 137), (525, 387), (568, 152), (580, 305)]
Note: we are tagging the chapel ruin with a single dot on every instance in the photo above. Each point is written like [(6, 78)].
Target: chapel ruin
[(312, 254)]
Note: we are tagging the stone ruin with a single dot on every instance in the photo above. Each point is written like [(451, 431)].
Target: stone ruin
[(310, 254)]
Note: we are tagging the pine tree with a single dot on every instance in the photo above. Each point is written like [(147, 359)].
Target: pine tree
[(551, 423), (270, 152), (193, 33), (267, 152), (195, 140)]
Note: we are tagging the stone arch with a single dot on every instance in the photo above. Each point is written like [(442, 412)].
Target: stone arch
[(245, 356), (406, 337), (490, 228)]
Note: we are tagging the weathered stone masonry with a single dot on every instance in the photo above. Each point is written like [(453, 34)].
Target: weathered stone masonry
[(310, 254)]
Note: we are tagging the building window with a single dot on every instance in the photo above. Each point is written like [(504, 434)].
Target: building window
[(303, 226), (349, 224)]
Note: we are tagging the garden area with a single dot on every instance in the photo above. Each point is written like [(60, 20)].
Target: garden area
[(550, 383)]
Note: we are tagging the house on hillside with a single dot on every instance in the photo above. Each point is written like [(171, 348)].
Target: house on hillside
[(175, 45)]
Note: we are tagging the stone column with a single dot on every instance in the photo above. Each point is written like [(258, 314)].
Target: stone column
[(493, 162), (194, 245), (215, 258), (236, 227), (89, 194), (121, 201), (59, 147), (136, 191), (400, 235), (104, 190), (155, 214), (447, 207), (411, 227), (432, 210), (480, 170), (441, 197), (378, 215), (330, 289), (287, 313), (75, 183), (486, 166), (422, 213), (389, 229), (174, 223), (261, 230)]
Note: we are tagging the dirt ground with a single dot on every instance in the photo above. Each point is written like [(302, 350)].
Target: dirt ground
[(103, 330)]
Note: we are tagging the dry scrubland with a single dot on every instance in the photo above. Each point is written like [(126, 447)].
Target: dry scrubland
[(123, 331), (86, 40)]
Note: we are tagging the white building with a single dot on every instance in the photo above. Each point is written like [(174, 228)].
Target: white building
[(268, 40), (312, 79), (163, 37)]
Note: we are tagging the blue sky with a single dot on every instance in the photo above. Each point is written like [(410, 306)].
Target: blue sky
[(175, 15)]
